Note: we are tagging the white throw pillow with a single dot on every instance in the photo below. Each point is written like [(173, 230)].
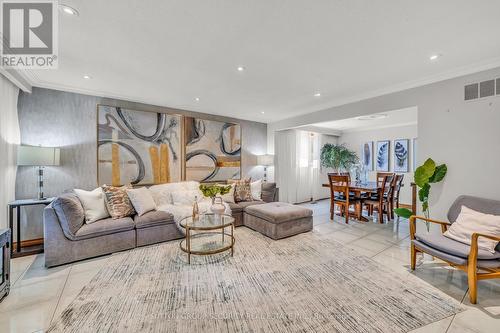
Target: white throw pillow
[(142, 200), (186, 198), (468, 222), (228, 197), (256, 189), (93, 204)]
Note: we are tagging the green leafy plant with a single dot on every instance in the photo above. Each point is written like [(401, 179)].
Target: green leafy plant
[(338, 157), (425, 175), (211, 190)]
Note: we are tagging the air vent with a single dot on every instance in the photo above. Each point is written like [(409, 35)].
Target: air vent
[(487, 88), (471, 91), (498, 87)]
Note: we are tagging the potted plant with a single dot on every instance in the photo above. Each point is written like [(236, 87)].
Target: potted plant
[(425, 175), (211, 191), (338, 157)]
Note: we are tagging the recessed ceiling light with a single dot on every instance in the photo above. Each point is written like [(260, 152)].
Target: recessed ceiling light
[(69, 10), (317, 94), (240, 68), (197, 99), (435, 57), (372, 116), (87, 77), (262, 112)]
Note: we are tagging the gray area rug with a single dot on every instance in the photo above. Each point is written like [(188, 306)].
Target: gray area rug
[(306, 283)]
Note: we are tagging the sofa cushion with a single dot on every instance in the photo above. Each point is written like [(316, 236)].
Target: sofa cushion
[(453, 247), (104, 227), (70, 212), (153, 218), (240, 206), (268, 192), (141, 199), (278, 212)]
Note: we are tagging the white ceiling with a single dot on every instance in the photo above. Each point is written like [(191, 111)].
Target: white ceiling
[(393, 118), (167, 52)]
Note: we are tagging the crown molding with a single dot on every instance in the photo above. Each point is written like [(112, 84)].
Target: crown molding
[(18, 78), (443, 76), (34, 81)]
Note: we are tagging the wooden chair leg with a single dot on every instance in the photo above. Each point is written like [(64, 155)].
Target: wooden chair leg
[(332, 210), (472, 277), (346, 213), (413, 257)]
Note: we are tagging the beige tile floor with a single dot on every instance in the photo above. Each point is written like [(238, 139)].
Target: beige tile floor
[(39, 295)]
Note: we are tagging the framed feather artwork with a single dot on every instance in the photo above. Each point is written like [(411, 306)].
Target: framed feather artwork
[(401, 155), (367, 155), (382, 157)]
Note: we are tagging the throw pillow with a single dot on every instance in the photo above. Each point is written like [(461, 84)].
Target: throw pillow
[(93, 204), (242, 191), (117, 201), (186, 198), (256, 188), (142, 200), (468, 222), (228, 197)]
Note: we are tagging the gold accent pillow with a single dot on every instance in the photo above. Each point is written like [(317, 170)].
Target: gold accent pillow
[(117, 201), (242, 191)]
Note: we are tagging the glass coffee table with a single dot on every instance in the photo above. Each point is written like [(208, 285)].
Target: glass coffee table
[(207, 235)]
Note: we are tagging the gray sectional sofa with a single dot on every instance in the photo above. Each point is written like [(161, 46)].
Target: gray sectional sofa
[(68, 238)]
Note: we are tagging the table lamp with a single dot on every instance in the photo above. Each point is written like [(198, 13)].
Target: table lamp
[(265, 160), (38, 157)]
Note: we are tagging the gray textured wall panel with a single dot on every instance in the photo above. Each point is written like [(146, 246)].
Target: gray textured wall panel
[(60, 119)]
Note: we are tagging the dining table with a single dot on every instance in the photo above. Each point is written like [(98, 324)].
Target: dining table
[(358, 187)]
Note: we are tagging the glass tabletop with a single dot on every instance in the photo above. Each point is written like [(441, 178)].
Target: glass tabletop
[(207, 222)]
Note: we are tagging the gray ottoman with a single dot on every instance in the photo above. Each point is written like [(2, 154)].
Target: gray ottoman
[(278, 219)]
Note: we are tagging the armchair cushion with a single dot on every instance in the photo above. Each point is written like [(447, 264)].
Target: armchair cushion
[(453, 247), (470, 221)]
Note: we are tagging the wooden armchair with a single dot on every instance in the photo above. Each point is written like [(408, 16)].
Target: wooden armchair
[(477, 263)]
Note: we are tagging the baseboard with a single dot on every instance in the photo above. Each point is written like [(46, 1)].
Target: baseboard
[(29, 242)]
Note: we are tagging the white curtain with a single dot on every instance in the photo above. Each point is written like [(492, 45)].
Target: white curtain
[(297, 165), (9, 139)]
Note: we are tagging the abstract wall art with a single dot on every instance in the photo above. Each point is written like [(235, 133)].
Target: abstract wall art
[(138, 147), (213, 150), (367, 155), (382, 157), (401, 155)]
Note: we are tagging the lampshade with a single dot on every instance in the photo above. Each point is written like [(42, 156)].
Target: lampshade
[(265, 160), (38, 156)]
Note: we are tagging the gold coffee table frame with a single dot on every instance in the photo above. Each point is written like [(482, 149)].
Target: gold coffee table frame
[(207, 226)]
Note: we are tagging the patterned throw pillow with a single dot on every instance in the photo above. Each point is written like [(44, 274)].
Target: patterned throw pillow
[(242, 191), (117, 201)]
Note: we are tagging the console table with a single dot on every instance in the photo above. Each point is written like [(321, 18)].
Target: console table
[(16, 205)]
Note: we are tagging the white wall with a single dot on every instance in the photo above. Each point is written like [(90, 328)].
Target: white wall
[(464, 135), (354, 140)]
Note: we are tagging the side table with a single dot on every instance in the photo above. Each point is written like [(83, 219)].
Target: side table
[(17, 204)]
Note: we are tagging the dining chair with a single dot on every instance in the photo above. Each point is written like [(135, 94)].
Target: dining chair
[(398, 183), (381, 175), (340, 195), (382, 200)]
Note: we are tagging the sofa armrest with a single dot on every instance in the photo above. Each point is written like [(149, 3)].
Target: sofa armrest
[(413, 227), (269, 192)]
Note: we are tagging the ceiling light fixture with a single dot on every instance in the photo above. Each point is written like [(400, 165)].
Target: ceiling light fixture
[(87, 77), (435, 57), (197, 99), (372, 116), (317, 94), (262, 112), (240, 68), (69, 10)]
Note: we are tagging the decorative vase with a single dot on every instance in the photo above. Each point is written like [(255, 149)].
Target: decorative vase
[(217, 206)]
